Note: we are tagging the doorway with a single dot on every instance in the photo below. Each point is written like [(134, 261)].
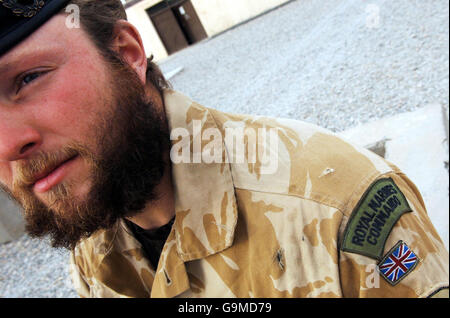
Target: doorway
[(177, 24)]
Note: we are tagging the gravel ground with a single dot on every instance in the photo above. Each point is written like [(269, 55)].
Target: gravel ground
[(332, 63), (325, 62)]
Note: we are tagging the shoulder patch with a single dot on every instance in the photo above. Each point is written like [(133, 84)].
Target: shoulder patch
[(397, 263), (373, 219)]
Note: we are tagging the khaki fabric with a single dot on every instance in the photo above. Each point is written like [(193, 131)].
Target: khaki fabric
[(239, 232)]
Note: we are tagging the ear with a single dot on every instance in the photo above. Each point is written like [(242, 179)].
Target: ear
[(128, 43)]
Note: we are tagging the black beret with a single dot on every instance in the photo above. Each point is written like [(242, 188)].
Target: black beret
[(20, 18)]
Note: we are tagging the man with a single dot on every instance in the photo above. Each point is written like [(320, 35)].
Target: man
[(145, 188)]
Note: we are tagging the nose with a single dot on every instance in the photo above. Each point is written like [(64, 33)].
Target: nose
[(17, 142)]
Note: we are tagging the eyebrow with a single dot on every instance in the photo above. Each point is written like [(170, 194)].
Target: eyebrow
[(22, 57)]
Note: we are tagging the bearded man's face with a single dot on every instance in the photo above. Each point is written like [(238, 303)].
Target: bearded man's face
[(81, 144)]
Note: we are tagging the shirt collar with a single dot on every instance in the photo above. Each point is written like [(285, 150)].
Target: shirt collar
[(205, 202)]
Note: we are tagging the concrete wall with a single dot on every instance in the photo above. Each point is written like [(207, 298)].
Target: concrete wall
[(12, 225), (215, 15), (415, 142)]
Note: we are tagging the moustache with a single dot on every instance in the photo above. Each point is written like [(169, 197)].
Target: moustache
[(29, 171)]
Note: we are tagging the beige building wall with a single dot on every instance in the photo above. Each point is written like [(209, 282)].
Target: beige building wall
[(219, 15), (150, 38), (215, 15)]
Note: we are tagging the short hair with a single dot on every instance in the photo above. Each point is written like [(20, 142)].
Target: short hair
[(98, 18)]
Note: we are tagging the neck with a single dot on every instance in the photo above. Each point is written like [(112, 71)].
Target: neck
[(160, 211)]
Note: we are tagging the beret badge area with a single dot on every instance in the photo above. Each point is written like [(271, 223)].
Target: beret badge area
[(23, 8)]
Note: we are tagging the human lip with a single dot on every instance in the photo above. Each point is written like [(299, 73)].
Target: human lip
[(48, 179)]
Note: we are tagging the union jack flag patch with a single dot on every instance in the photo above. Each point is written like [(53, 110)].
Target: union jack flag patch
[(398, 263)]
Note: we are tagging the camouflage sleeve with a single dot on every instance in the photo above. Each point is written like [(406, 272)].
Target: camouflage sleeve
[(79, 283), (388, 245)]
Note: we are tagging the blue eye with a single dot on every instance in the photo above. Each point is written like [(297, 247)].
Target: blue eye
[(30, 77), (27, 79)]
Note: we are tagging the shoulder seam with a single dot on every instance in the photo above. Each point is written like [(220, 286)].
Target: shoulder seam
[(292, 195), (370, 179)]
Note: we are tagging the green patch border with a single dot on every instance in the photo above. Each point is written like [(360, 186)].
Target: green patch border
[(387, 255), (354, 213)]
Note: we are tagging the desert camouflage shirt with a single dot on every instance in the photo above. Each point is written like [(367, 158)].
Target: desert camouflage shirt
[(333, 220)]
